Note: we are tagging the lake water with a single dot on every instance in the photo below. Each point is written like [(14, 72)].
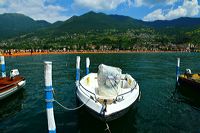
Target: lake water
[(161, 108)]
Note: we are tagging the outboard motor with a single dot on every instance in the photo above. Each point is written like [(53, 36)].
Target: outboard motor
[(14, 73), (188, 71)]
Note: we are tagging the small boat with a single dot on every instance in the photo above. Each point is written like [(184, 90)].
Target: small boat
[(190, 80), (187, 79), (108, 94), (9, 85)]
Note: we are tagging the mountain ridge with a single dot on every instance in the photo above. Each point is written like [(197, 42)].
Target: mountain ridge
[(91, 30), (15, 24), (98, 21)]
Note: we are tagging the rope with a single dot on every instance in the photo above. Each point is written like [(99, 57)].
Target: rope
[(139, 96), (71, 109), (107, 127), (115, 83)]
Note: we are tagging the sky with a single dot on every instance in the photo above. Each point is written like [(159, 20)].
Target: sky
[(60, 10)]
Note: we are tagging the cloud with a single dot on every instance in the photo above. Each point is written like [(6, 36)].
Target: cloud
[(151, 3), (2, 2), (171, 2), (36, 9), (155, 15), (189, 8), (101, 4)]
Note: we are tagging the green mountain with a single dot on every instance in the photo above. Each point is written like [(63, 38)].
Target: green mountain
[(13, 24), (92, 30), (99, 21), (177, 27), (183, 22)]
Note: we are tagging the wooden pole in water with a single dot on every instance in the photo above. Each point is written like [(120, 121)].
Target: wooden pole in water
[(87, 65), (3, 67), (78, 59), (49, 96), (178, 69)]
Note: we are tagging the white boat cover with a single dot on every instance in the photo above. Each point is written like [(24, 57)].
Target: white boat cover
[(109, 84), (128, 81)]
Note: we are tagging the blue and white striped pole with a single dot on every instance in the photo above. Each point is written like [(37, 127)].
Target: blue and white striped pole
[(78, 59), (87, 65), (49, 96), (3, 67), (178, 69)]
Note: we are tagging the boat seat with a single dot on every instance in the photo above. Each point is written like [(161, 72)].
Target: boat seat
[(127, 82)]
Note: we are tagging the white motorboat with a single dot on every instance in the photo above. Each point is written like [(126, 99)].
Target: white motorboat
[(108, 94)]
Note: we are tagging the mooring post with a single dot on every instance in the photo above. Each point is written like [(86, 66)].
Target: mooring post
[(3, 67), (178, 69), (78, 59), (87, 65), (49, 96)]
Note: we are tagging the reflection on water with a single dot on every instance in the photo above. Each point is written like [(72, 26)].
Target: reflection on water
[(189, 96), (89, 124), (11, 105)]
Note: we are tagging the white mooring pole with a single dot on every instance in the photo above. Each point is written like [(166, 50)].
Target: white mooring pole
[(178, 69), (87, 65), (78, 59), (3, 67), (49, 96)]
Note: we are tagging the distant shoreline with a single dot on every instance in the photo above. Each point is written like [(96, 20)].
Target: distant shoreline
[(84, 52)]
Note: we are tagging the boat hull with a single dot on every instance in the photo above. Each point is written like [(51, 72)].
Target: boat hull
[(189, 83), (106, 118), (8, 90)]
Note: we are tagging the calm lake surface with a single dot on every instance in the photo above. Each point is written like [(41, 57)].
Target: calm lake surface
[(162, 108)]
